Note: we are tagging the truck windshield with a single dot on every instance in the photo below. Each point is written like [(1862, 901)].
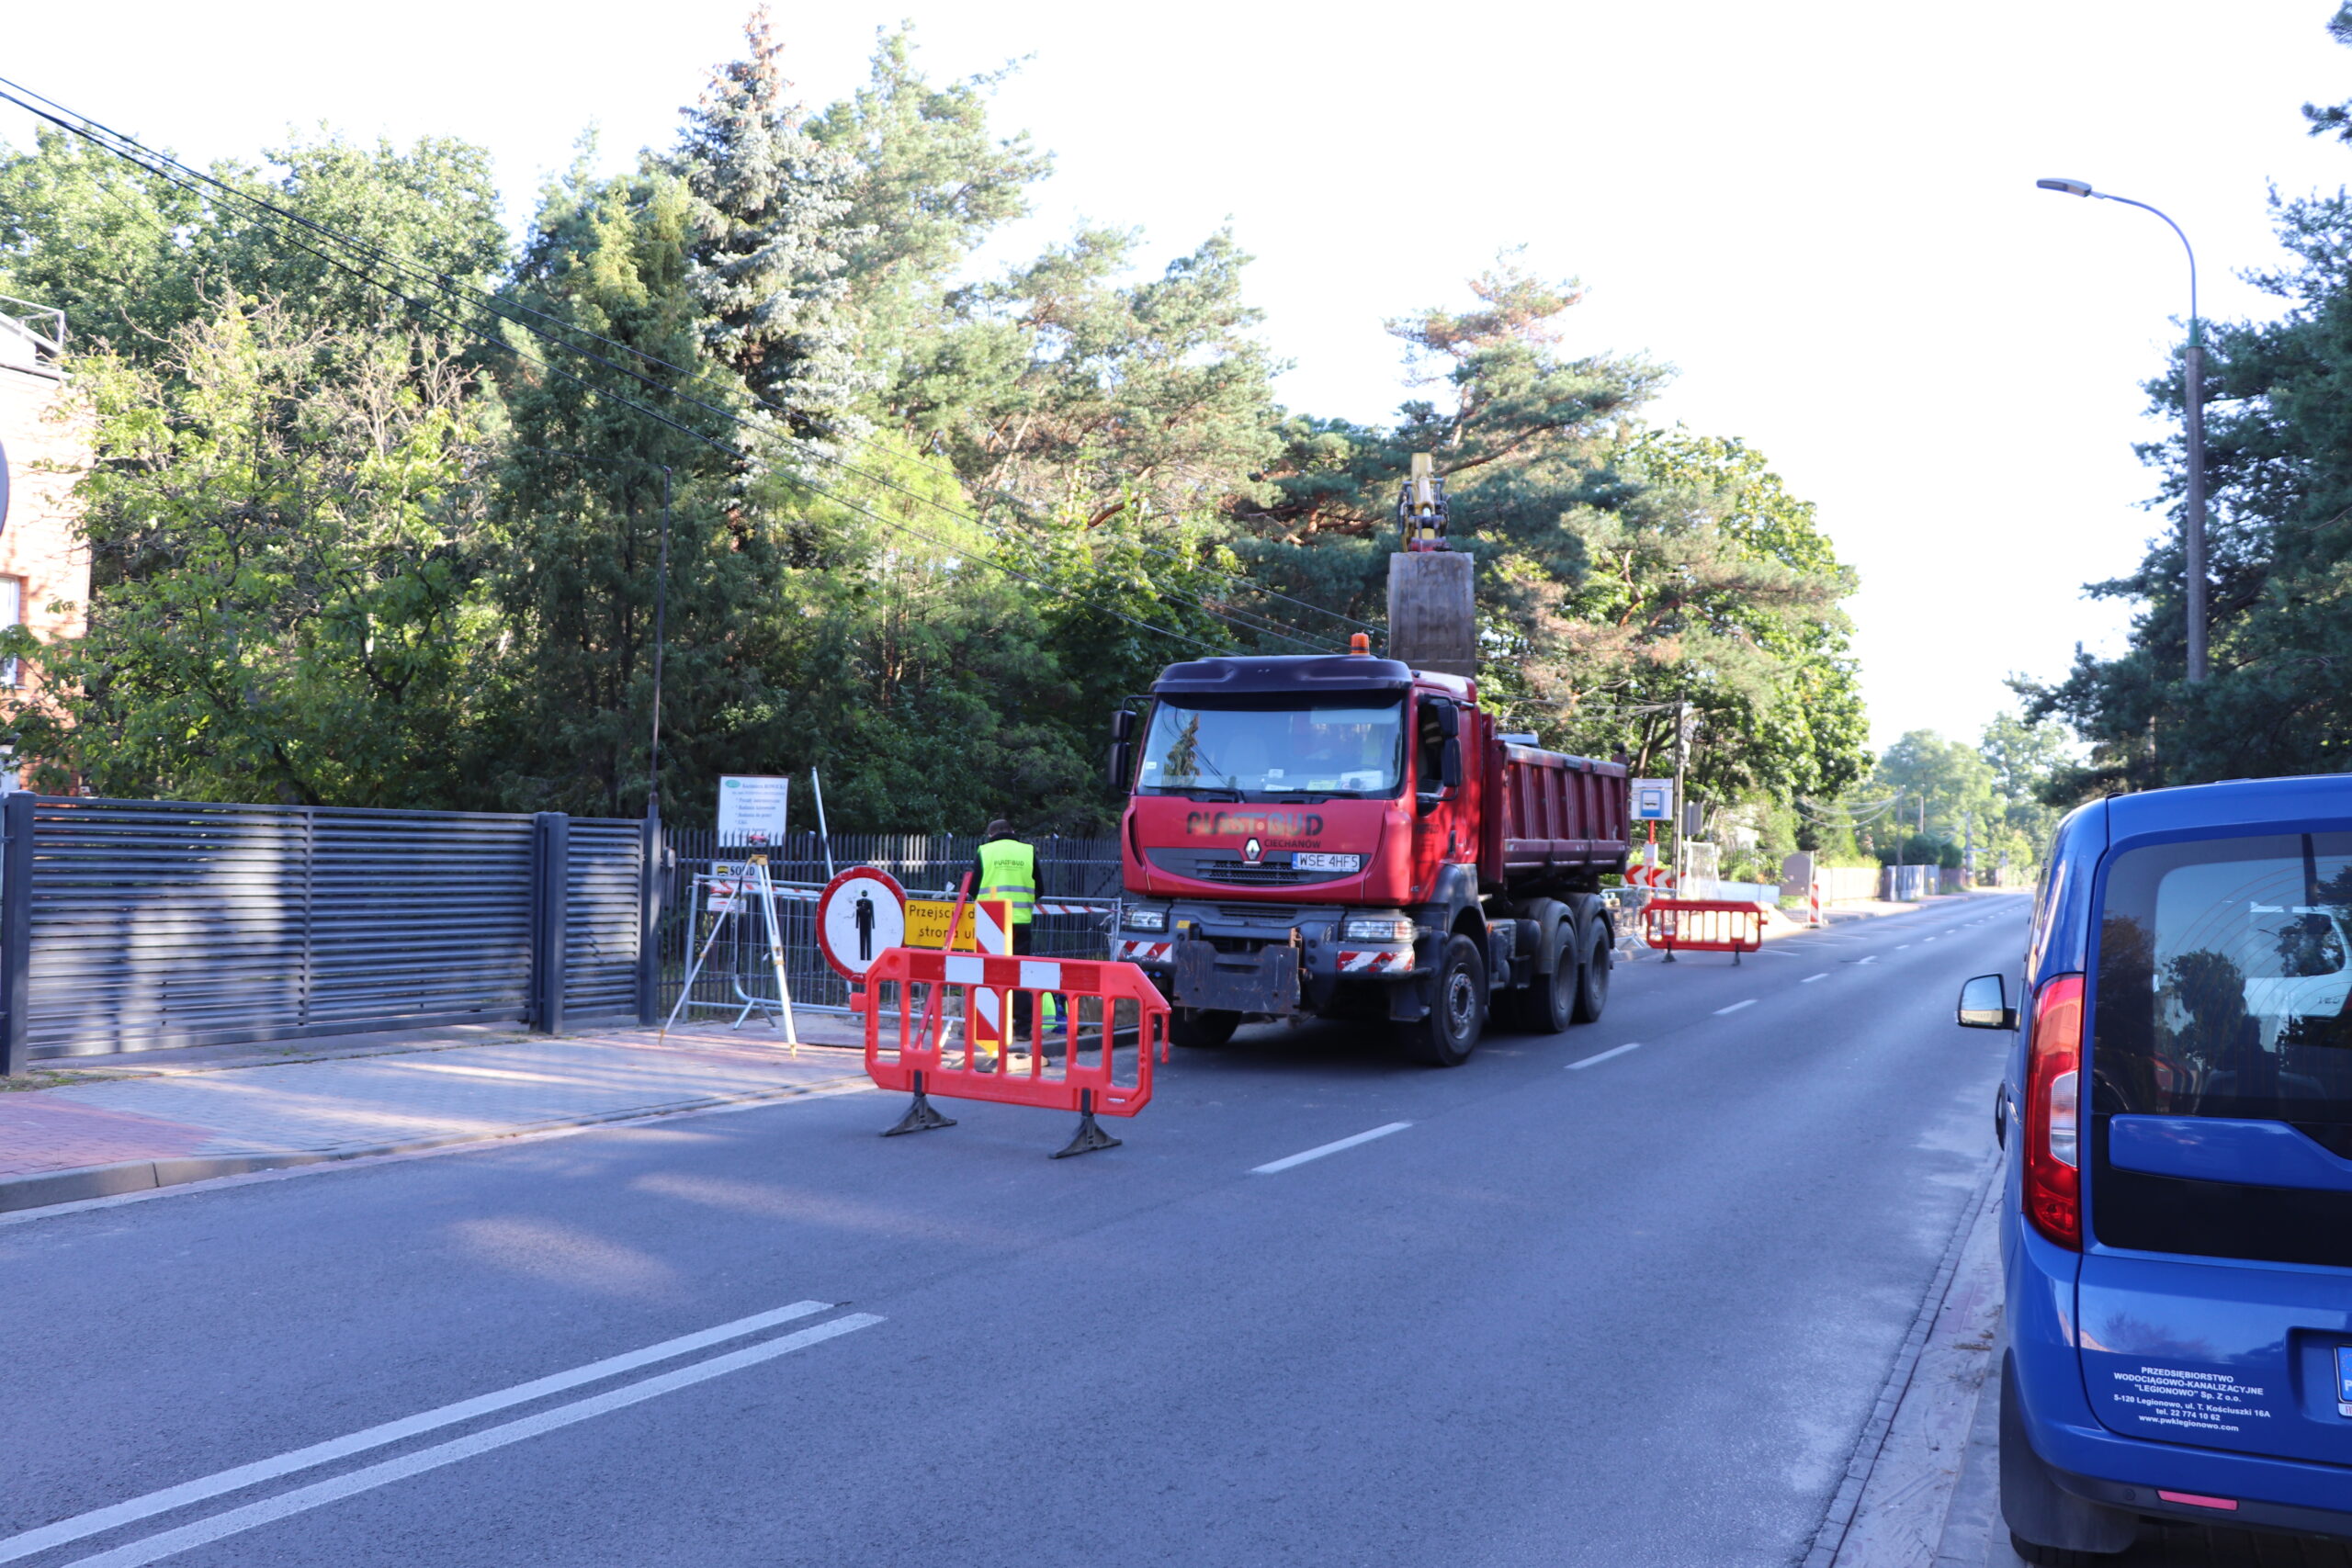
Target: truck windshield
[(2225, 981), (1350, 746)]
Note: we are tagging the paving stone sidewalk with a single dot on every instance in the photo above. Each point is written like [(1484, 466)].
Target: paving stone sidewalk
[(94, 1139)]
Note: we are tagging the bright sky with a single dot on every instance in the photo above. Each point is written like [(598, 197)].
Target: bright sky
[(1822, 214)]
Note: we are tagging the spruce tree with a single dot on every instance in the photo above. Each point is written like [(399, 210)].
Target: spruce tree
[(768, 201)]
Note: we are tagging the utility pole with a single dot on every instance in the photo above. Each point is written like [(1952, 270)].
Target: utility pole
[(1682, 759)]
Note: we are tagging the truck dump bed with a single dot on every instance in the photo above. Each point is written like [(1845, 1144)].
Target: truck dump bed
[(1553, 819)]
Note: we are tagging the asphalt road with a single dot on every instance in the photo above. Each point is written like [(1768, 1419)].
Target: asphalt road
[(1630, 1311)]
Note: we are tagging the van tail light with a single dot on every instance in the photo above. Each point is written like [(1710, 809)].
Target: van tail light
[(2053, 1106)]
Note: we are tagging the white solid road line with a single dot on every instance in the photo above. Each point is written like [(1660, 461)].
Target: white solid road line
[(1735, 1006), (154, 1548), (1809, 979), (1328, 1149), (196, 1491), (1872, 959), (1596, 1061)]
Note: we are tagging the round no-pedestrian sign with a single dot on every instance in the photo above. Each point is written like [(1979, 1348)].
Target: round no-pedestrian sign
[(861, 913)]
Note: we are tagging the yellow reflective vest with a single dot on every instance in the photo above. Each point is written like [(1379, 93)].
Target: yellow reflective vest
[(1009, 871)]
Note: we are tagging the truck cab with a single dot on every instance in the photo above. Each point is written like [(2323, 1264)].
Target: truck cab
[(1346, 836)]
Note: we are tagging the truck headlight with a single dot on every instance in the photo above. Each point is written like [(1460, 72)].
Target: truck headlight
[(1376, 928), (1147, 919)]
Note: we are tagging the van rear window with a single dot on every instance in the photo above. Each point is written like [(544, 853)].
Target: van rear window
[(2224, 971)]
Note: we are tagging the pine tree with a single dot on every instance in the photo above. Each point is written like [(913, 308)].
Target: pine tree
[(767, 202)]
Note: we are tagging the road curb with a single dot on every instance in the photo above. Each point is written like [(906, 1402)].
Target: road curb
[(49, 1189), (1831, 1536)]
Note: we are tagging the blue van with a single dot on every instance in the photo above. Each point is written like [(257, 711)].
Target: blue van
[(2177, 1120)]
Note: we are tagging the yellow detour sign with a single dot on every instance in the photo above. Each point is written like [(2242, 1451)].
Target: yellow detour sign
[(927, 924)]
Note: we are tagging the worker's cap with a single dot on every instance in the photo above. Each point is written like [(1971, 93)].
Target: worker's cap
[(1000, 829)]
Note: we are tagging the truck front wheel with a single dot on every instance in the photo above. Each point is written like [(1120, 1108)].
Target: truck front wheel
[(1458, 1011), (1203, 1028)]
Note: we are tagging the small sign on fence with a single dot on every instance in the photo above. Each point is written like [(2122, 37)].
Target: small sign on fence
[(751, 809)]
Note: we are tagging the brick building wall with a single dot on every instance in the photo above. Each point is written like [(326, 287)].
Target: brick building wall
[(44, 565)]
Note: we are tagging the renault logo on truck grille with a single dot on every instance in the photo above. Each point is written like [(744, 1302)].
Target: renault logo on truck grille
[(1253, 852)]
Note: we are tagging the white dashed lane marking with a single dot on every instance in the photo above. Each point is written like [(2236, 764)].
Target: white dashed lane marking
[(1271, 1166)]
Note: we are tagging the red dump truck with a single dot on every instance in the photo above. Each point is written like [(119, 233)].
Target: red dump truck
[(1348, 837)]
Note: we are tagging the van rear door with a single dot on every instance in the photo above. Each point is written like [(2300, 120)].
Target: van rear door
[(2215, 1297)]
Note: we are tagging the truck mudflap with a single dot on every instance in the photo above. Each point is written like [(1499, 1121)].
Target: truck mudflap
[(1265, 981)]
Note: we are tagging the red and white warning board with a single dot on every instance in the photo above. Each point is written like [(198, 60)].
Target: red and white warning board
[(861, 915)]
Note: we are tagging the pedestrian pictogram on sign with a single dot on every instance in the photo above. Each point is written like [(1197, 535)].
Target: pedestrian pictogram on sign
[(861, 914)]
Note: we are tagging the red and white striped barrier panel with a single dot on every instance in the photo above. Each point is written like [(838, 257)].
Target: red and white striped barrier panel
[(1813, 897), (908, 1051), (1143, 950), (1702, 925), (1656, 876), (1378, 961)]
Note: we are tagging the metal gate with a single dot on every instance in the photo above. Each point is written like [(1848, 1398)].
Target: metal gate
[(144, 925)]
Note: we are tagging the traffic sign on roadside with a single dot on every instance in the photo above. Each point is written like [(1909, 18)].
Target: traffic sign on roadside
[(1653, 800), (927, 924), (861, 914)]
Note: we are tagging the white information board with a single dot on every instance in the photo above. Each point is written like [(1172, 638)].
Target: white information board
[(1653, 800), (751, 809)]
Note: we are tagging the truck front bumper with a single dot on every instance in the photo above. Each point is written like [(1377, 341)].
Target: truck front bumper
[(1281, 962)]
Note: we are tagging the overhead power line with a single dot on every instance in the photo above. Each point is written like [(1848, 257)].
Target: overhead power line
[(161, 165), (164, 167)]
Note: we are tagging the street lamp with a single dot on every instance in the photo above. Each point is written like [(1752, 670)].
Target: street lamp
[(2193, 400)]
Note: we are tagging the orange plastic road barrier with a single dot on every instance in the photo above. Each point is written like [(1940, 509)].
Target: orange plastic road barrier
[(1702, 925), (911, 1054)]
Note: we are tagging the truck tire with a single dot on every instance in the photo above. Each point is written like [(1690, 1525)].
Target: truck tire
[(1545, 1005), (1457, 1013), (1202, 1029), (1592, 977)]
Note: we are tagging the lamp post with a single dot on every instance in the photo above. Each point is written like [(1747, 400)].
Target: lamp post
[(2193, 400)]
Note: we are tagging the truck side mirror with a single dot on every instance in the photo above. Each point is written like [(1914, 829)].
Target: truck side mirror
[(1122, 725), (1985, 1004), (1115, 766), (1448, 761), (1449, 720)]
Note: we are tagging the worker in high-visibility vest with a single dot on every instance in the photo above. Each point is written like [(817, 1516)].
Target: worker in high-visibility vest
[(1007, 869)]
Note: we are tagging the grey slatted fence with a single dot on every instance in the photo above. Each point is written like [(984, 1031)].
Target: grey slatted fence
[(145, 925)]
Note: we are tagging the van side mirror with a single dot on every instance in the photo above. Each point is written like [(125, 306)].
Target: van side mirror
[(1123, 723), (1985, 1004), (1449, 763), (1115, 766)]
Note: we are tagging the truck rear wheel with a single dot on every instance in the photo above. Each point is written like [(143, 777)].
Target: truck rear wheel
[(1458, 1012), (1592, 977), (1545, 1005), (1203, 1028)]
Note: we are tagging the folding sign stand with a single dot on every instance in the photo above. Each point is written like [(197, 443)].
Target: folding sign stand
[(764, 889)]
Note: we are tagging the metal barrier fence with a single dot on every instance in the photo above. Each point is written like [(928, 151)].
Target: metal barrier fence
[(737, 975), (130, 925)]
